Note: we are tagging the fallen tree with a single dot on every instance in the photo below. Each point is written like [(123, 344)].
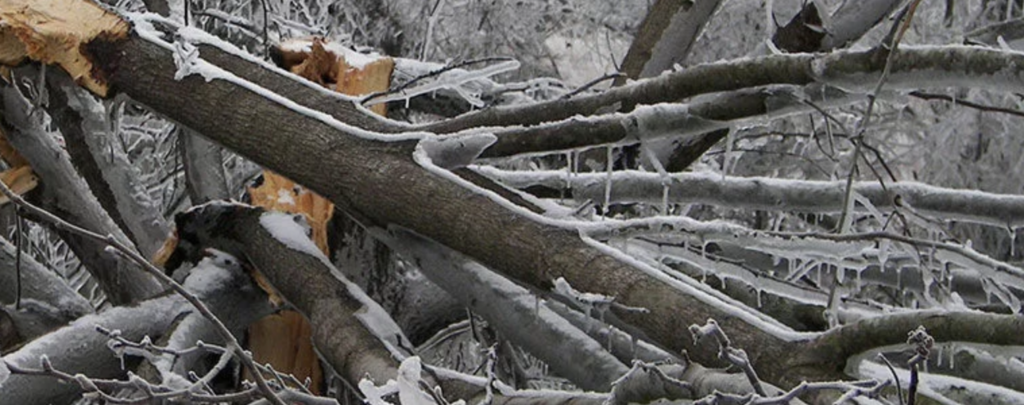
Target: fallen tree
[(386, 174)]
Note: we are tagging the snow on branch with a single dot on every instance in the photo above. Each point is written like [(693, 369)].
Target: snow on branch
[(507, 306), (765, 193), (454, 79), (914, 68), (735, 356)]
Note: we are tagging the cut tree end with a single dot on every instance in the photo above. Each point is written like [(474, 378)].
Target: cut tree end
[(55, 32)]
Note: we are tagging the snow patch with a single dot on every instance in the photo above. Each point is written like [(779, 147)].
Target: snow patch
[(455, 151), (294, 235), (5, 373)]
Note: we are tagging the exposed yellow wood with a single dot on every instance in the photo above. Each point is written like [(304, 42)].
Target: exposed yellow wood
[(20, 177), (54, 32), (285, 339), (277, 193), (20, 180), (373, 77), (9, 154)]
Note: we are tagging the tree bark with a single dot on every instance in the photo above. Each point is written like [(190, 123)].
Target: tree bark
[(66, 194), (47, 301), (380, 183)]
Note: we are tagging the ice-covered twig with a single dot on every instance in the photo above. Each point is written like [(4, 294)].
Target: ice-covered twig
[(130, 253), (895, 377), (97, 388), (868, 388), (888, 49), (736, 357), (647, 381), (435, 73), (923, 343), (590, 303), (593, 83), (450, 79)]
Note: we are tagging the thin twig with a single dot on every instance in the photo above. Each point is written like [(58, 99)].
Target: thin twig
[(899, 388), (889, 49), (965, 103), (923, 343), (109, 240), (735, 356), (593, 83), (372, 96), (17, 256)]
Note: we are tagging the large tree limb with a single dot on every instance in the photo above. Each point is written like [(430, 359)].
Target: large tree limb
[(507, 307), (47, 301), (678, 37), (357, 173), (90, 140), (351, 331), (65, 193), (836, 346)]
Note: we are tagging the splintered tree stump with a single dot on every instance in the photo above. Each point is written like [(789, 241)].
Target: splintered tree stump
[(284, 339)]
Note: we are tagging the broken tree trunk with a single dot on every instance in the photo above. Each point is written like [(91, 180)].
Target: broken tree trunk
[(284, 339)]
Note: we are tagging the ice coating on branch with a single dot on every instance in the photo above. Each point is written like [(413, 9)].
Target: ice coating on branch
[(588, 302), (934, 385), (374, 394), (284, 228), (455, 151), (454, 80), (661, 120), (4, 373), (210, 72), (212, 272), (406, 384)]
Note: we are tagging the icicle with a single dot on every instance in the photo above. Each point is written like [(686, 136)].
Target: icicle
[(883, 253), (575, 162), (952, 358), (938, 357), (840, 275), (568, 170), (758, 292), (1013, 242), (727, 160), (664, 200), (608, 181)]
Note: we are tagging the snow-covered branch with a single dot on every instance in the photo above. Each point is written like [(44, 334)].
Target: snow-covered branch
[(47, 302), (66, 192), (507, 306), (1001, 210)]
